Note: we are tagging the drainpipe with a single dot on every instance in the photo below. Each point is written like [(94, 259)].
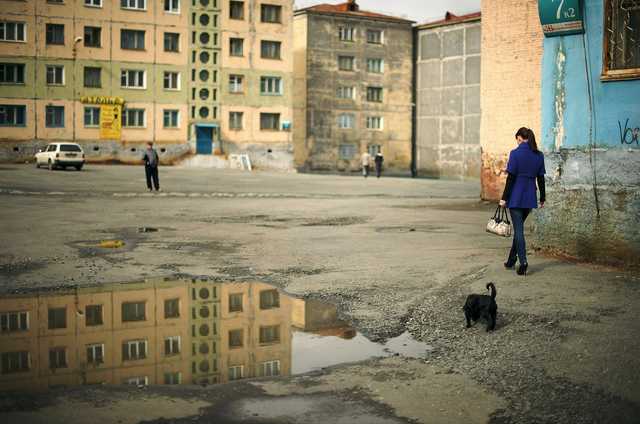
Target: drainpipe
[(414, 125)]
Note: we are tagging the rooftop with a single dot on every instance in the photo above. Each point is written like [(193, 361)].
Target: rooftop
[(351, 9), (451, 19)]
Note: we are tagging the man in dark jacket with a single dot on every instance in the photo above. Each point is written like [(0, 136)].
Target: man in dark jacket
[(151, 160), (378, 160)]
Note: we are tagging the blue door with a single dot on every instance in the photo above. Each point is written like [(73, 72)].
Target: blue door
[(204, 140)]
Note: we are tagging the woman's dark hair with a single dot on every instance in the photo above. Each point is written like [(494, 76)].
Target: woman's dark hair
[(527, 134)]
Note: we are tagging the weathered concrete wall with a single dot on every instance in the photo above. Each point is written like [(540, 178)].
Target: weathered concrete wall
[(570, 223), (448, 101), (509, 83), (321, 143)]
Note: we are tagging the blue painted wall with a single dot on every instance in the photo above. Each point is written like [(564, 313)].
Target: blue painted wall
[(565, 95)]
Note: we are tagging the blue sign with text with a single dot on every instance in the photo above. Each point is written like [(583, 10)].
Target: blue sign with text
[(560, 17)]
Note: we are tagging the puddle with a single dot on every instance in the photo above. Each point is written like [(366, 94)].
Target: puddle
[(184, 331)]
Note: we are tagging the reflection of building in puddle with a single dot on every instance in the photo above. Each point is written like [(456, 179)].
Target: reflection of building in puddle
[(156, 332), (314, 316)]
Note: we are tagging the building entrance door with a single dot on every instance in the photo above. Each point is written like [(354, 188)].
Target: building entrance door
[(204, 140)]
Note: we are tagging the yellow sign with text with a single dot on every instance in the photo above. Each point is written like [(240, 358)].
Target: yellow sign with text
[(110, 121)]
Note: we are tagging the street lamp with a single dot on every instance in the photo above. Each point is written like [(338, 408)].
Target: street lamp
[(74, 53)]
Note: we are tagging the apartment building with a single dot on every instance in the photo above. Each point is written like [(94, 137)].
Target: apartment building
[(257, 69), (353, 84)]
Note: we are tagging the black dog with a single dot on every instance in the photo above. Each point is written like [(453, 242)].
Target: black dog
[(482, 306)]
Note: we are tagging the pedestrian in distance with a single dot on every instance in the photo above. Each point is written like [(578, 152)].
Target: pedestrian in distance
[(151, 161), (379, 160), (525, 166), (365, 159)]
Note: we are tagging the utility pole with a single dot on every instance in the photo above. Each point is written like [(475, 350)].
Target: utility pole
[(74, 51)]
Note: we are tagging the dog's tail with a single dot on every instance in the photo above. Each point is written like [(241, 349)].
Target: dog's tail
[(492, 289)]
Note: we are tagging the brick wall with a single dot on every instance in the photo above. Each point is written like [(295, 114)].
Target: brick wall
[(510, 83)]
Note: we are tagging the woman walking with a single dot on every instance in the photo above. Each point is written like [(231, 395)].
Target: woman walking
[(525, 166)]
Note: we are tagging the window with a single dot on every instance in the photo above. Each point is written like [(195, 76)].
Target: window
[(92, 36), (374, 36), (374, 94), (133, 118), (57, 358), (172, 6), (133, 311), (131, 39), (172, 306), (270, 334), (172, 378), (172, 345), (171, 80), (235, 83), (271, 85), (13, 31), (55, 34), (95, 354), (346, 121), (93, 3), (133, 4), (11, 73), (236, 372), (14, 321), (270, 49), (621, 35), (92, 77), (375, 66), (14, 362), (130, 78), (236, 10), (346, 63), (271, 13), (54, 118), (13, 115), (374, 149), (346, 33), (346, 151), (134, 350), (270, 121), (235, 300), (235, 338), (171, 118), (55, 75), (346, 92), (93, 313), (374, 122), (55, 1), (269, 368), (269, 299), (235, 46), (137, 381), (171, 42)]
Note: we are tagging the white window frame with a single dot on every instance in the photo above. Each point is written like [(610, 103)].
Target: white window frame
[(346, 92), (127, 78), (353, 63), (20, 317), (142, 380), (95, 347), (19, 362), (125, 117), (346, 121), (372, 120), (3, 24), (375, 65), (169, 75), (236, 128), (93, 3), (381, 32), (269, 368), (351, 148), (137, 343), (171, 112), (233, 82), (172, 351), (133, 4), (136, 32), (172, 9), (84, 115), (54, 68), (347, 33), (375, 89), (271, 86), (233, 372)]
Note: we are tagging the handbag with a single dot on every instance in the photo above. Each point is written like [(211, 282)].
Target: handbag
[(499, 223)]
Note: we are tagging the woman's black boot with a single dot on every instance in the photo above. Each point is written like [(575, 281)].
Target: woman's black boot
[(522, 269), (510, 264)]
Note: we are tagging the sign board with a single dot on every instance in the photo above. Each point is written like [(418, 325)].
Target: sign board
[(560, 17), (110, 115), (286, 125)]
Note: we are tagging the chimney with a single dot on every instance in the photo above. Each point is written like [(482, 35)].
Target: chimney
[(448, 16), (352, 6)]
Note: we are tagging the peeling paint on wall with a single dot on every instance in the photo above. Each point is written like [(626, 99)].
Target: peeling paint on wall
[(559, 98)]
